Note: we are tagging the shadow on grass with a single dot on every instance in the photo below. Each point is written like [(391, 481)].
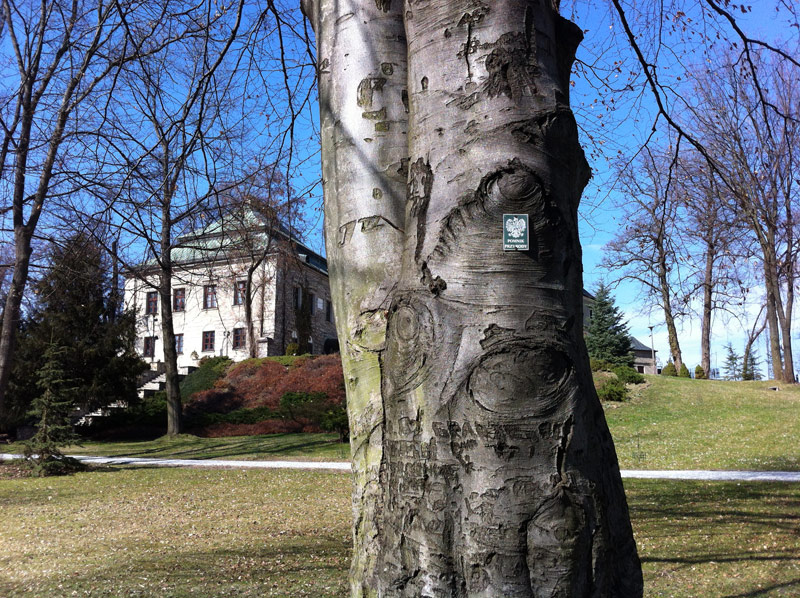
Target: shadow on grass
[(713, 527), (217, 448), (299, 565), (789, 585)]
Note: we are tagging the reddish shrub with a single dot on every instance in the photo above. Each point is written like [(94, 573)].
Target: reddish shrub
[(216, 400), (270, 426), (262, 383), (321, 374)]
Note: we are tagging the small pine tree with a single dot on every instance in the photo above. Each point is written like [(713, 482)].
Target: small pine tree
[(52, 409), (750, 365), (699, 373), (669, 370), (732, 365), (607, 335), (684, 372)]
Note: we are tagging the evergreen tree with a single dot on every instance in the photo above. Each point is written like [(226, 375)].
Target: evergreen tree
[(51, 410), (732, 366), (750, 365), (607, 335), (76, 309)]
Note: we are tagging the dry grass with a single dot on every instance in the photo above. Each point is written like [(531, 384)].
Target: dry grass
[(179, 533)]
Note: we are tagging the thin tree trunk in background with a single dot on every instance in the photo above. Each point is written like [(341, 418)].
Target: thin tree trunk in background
[(172, 381), (483, 466), (772, 319), (705, 324), (672, 330), (114, 299)]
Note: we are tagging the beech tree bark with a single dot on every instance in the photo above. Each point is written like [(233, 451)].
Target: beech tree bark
[(483, 466)]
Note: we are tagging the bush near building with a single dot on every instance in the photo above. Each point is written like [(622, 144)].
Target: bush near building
[(264, 396)]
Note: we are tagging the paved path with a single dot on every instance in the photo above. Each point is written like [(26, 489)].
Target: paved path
[(708, 475)]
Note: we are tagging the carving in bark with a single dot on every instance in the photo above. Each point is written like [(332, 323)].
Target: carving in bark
[(483, 466)]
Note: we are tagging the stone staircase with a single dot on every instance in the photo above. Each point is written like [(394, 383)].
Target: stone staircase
[(155, 379)]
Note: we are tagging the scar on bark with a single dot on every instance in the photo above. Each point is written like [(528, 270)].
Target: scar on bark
[(513, 187), (512, 68), (420, 184), (366, 89)]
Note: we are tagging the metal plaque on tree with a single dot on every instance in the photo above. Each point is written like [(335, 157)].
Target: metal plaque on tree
[(515, 232)]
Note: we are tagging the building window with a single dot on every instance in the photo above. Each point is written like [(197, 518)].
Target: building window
[(239, 338), (591, 313), (239, 292), (179, 300), (179, 344), (298, 297), (328, 311), (149, 346), (209, 297), (208, 340), (311, 308), (152, 303)]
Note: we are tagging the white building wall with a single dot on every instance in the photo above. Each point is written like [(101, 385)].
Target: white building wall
[(194, 320)]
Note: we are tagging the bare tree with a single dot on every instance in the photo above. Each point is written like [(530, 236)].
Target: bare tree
[(710, 236), (648, 248), (752, 133), (482, 460), (174, 140), (65, 57)]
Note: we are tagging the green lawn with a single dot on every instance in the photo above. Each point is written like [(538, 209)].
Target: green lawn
[(178, 533), (677, 423)]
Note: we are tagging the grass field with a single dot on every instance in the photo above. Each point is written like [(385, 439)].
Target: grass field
[(678, 423), (180, 533)]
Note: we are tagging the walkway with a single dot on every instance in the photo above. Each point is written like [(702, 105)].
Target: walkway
[(705, 475)]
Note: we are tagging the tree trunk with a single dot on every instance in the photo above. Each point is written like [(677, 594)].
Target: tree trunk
[(483, 464), (12, 312), (172, 382), (672, 331), (363, 116), (772, 290), (705, 324), (252, 345)]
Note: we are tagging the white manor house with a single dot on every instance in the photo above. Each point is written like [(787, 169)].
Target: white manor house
[(288, 298)]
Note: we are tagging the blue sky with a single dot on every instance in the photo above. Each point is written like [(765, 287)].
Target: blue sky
[(631, 121)]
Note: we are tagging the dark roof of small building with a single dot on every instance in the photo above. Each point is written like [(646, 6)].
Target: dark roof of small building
[(638, 345)]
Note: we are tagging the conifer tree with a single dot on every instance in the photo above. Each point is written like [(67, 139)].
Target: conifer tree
[(607, 336), (732, 364), (52, 409), (76, 309), (750, 365)]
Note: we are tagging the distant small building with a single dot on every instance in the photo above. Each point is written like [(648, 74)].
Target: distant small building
[(644, 358)]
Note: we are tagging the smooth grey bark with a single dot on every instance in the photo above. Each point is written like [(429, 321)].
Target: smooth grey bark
[(483, 466), (361, 55)]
